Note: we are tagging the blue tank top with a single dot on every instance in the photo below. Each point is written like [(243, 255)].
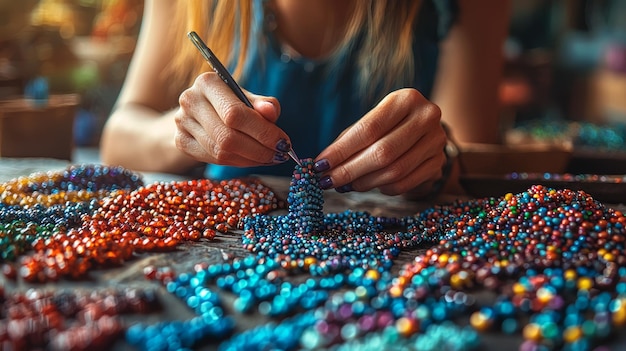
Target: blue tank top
[(319, 101)]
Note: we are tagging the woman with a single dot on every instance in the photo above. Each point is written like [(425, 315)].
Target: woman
[(350, 83)]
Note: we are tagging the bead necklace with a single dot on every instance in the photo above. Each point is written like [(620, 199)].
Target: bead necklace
[(77, 183)]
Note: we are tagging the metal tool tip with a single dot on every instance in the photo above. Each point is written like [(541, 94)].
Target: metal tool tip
[(295, 157)]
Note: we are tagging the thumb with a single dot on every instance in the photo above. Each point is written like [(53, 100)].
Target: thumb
[(267, 106)]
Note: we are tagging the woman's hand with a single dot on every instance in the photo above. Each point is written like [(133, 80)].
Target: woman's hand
[(214, 126), (396, 147)]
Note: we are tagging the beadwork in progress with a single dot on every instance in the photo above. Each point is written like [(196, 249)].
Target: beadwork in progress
[(546, 268), (544, 264)]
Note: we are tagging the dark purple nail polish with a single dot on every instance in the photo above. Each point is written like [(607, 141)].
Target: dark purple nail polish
[(283, 146), (321, 165), (344, 188), (326, 182), (280, 157)]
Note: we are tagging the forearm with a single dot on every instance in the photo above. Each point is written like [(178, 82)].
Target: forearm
[(470, 72), (142, 139)]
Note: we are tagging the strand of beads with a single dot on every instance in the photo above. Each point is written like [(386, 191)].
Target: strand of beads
[(69, 320), (21, 226), (156, 217), (36, 208), (77, 183), (210, 324), (163, 214)]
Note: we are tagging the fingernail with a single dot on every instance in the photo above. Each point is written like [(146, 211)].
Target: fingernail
[(280, 157), (283, 146), (321, 165), (344, 188), (326, 182)]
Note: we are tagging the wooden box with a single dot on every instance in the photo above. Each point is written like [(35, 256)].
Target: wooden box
[(485, 159), (28, 130)]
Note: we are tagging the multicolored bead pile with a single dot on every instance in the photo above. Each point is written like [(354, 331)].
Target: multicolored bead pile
[(555, 259), (584, 135), (77, 183), (319, 243), (69, 320), (567, 177), (63, 224), (546, 266)]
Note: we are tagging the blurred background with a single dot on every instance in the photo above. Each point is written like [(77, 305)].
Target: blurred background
[(79, 47), (565, 80)]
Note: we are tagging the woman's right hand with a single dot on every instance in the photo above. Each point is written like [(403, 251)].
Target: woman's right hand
[(214, 126)]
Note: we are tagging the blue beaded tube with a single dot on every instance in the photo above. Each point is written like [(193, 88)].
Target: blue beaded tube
[(306, 200)]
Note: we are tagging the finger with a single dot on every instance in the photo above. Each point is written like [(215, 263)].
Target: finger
[(268, 107), (421, 179), (373, 126), (418, 180), (429, 148), (236, 115), (391, 157), (229, 147), (191, 146), (219, 142)]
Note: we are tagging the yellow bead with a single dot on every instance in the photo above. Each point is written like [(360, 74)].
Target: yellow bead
[(308, 261), (532, 332), (406, 326), (585, 283), (454, 258), (519, 289), (570, 274), (395, 291), (609, 257), (480, 322), (456, 282), (443, 259), (372, 274), (572, 333), (544, 295), (619, 317)]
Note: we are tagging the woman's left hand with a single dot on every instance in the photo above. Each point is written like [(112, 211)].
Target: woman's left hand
[(396, 147)]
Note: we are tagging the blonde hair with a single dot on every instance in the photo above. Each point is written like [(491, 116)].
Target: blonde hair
[(386, 26)]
